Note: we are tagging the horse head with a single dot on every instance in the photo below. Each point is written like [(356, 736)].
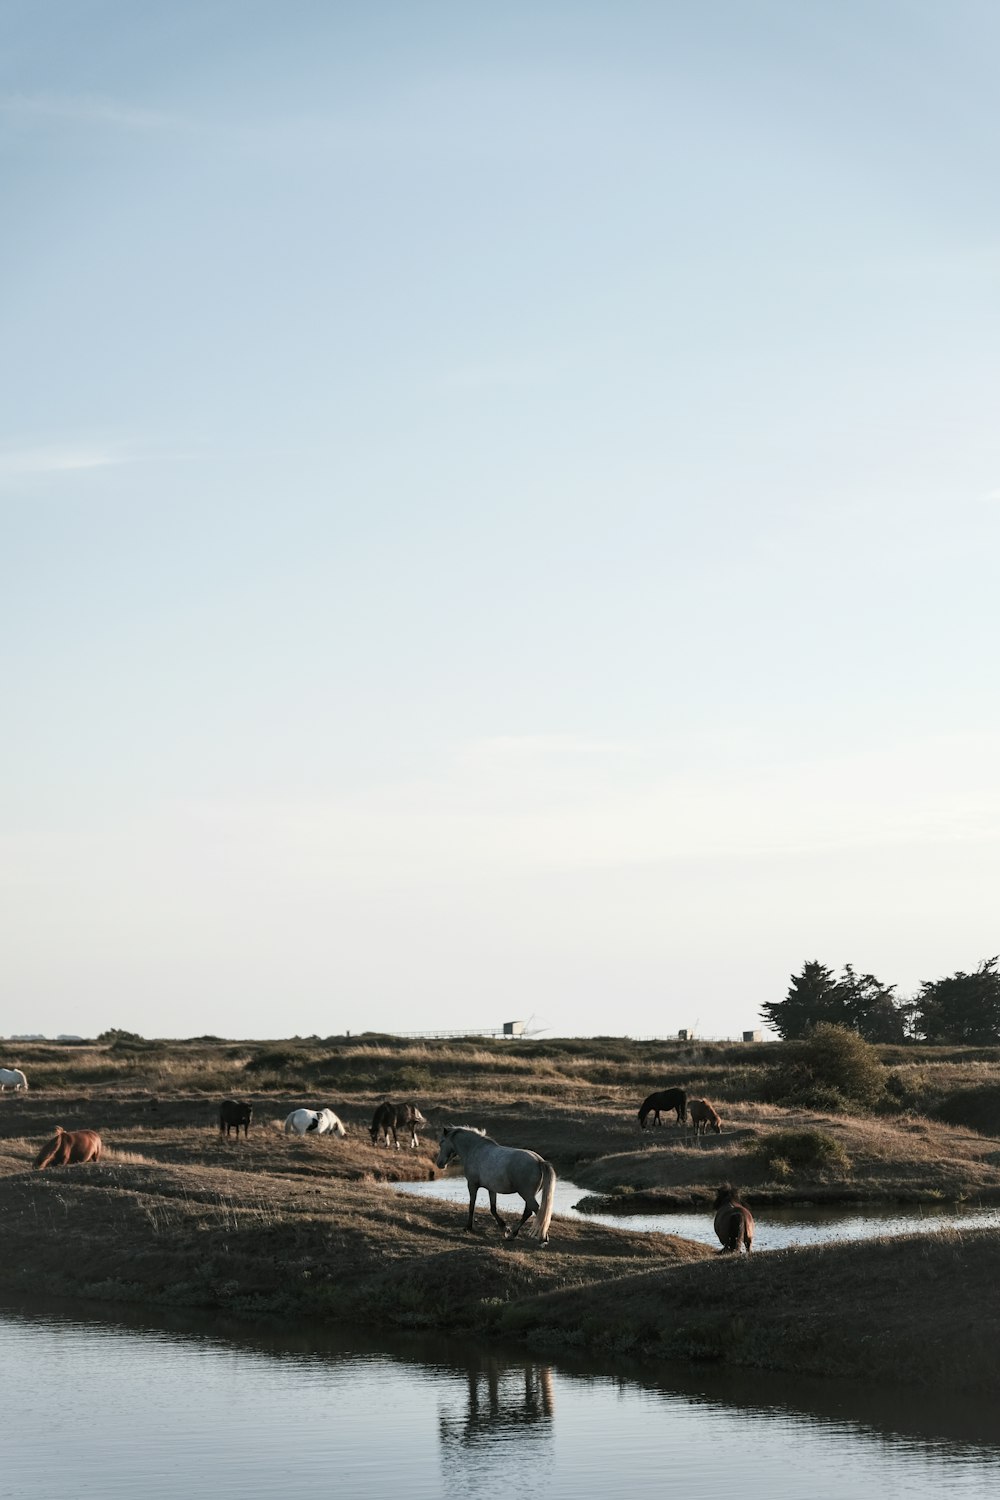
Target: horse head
[(447, 1150)]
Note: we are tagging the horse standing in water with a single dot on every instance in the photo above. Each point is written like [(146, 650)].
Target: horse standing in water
[(69, 1146), (733, 1221), (502, 1169), (665, 1099), (12, 1078)]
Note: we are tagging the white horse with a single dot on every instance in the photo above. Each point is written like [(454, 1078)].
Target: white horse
[(314, 1122), (12, 1078), (502, 1169)]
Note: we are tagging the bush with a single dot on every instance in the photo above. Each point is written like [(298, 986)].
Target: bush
[(976, 1108), (829, 1068), (784, 1151), (272, 1061)]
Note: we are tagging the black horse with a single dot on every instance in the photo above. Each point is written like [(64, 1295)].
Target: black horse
[(666, 1099), (235, 1112), (396, 1117)]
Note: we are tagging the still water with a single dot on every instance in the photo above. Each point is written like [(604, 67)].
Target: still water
[(184, 1408), (776, 1228)]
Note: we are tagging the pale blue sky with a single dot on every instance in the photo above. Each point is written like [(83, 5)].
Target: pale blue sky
[(499, 509)]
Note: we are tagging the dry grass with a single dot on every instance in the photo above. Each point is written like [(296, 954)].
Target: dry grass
[(178, 1213)]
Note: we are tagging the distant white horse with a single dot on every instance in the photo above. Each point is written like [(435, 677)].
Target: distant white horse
[(314, 1122), (502, 1169), (12, 1078)]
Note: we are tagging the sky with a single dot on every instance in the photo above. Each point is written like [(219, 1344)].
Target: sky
[(498, 510)]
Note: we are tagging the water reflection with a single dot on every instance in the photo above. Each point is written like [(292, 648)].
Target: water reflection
[(198, 1405), (506, 1410)]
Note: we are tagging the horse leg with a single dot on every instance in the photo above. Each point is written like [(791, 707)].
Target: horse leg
[(493, 1211), (395, 1138), (473, 1194), (530, 1207)]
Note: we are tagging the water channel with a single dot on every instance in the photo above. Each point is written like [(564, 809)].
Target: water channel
[(777, 1228), (133, 1405)]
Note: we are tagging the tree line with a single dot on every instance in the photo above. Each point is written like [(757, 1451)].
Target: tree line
[(959, 1009)]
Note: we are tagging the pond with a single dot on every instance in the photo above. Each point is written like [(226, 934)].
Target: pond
[(776, 1228), (182, 1406)]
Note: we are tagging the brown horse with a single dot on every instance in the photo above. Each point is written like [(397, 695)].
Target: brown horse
[(733, 1221), (70, 1146), (703, 1117), (394, 1117)]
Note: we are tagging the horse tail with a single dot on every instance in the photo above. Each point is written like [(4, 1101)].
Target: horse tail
[(539, 1229), (47, 1155)]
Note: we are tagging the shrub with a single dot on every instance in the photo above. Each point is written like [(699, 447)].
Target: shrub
[(783, 1151), (828, 1068), (976, 1108), (273, 1060)]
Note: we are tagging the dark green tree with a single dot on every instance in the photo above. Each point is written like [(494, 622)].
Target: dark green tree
[(962, 1008), (860, 1002), (871, 1008), (813, 996)]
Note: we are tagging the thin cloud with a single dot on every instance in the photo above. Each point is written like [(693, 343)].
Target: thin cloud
[(88, 109), (57, 458)]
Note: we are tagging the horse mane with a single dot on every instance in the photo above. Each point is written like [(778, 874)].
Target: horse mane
[(727, 1194), (472, 1129)]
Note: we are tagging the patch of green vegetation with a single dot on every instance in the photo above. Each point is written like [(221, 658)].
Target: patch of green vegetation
[(781, 1152), (832, 1068), (273, 1060), (976, 1108)]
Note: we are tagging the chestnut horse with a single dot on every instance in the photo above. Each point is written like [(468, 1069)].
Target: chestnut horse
[(70, 1146), (733, 1221), (703, 1117)]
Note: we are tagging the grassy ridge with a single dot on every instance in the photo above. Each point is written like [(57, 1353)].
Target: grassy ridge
[(178, 1215)]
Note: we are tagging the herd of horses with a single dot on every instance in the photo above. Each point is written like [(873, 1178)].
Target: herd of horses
[(485, 1163)]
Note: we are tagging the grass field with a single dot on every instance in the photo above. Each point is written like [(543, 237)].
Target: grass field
[(177, 1214)]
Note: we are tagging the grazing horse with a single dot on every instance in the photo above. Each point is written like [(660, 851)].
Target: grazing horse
[(314, 1122), (665, 1099), (733, 1221), (703, 1117), (235, 1112), (69, 1146), (396, 1117), (502, 1169), (12, 1078)]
